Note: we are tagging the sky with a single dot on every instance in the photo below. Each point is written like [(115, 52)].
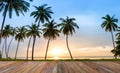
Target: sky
[(89, 40)]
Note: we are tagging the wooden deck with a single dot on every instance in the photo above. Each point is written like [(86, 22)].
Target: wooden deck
[(59, 67)]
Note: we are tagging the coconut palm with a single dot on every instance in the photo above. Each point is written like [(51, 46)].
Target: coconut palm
[(0, 54), (116, 51), (50, 32), (2, 49), (13, 33), (68, 28), (42, 13), (32, 32), (5, 35), (20, 36), (19, 6), (110, 25)]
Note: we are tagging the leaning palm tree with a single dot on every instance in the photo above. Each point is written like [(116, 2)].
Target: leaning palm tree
[(20, 36), (19, 6), (116, 51), (42, 13), (110, 25), (32, 31), (5, 35), (13, 33), (0, 54), (68, 28), (50, 32)]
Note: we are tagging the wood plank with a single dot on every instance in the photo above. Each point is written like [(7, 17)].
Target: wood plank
[(59, 67)]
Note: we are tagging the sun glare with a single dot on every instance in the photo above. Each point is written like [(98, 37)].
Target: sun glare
[(56, 58), (57, 52)]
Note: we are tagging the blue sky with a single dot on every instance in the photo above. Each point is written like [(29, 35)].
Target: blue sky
[(89, 39)]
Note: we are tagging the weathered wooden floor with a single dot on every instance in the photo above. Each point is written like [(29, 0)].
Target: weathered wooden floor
[(59, 67)]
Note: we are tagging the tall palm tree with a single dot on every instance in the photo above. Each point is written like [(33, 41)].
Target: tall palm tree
[(68, 28), (5, 35), (19, 6), (110, 25), (42, 13), (20, 36), (50, 32), (116, 51), (2, 49), (33, 31), (0, 54), (13, 33)]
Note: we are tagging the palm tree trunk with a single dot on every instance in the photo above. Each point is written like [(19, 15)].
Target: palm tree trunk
[(68, 47), (28, 48), (3, 48), (3, 24), (47, 48), (9, 45), (6, 47), (16, 50), (39, 23), (113, 42), (34, 39)]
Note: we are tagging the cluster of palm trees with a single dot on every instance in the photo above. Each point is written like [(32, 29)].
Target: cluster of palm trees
[(110, 25), (50, 29)]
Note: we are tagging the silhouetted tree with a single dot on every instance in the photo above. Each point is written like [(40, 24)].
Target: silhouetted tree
[(5, 35), (20, 36), (42, 13), (19, 6), (33, 31), (68, 28), (110, 25), (50, 32)]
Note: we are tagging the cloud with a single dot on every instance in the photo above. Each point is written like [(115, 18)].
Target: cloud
[(93, 51)]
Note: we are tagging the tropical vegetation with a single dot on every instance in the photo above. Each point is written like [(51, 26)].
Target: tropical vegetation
[(33, 32), (49, 30), (68, 28), (42, 13), (110, 25), (8, 6), (20, 36)]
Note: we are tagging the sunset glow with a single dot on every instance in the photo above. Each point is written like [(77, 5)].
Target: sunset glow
[(56, 58), (56, 52), (89, 40)]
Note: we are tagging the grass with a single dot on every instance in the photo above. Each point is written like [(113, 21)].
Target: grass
[(4, 59)]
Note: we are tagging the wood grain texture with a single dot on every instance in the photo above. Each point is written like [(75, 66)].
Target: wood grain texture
[(59, 67)]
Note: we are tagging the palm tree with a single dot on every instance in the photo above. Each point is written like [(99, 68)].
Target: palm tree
[(19, 6), (50, 32), (13, 33), (116, 51), (68, 28), (33, 31), (5, 35), (20, 36), (0, 54), (109, 24), (42, 14)]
